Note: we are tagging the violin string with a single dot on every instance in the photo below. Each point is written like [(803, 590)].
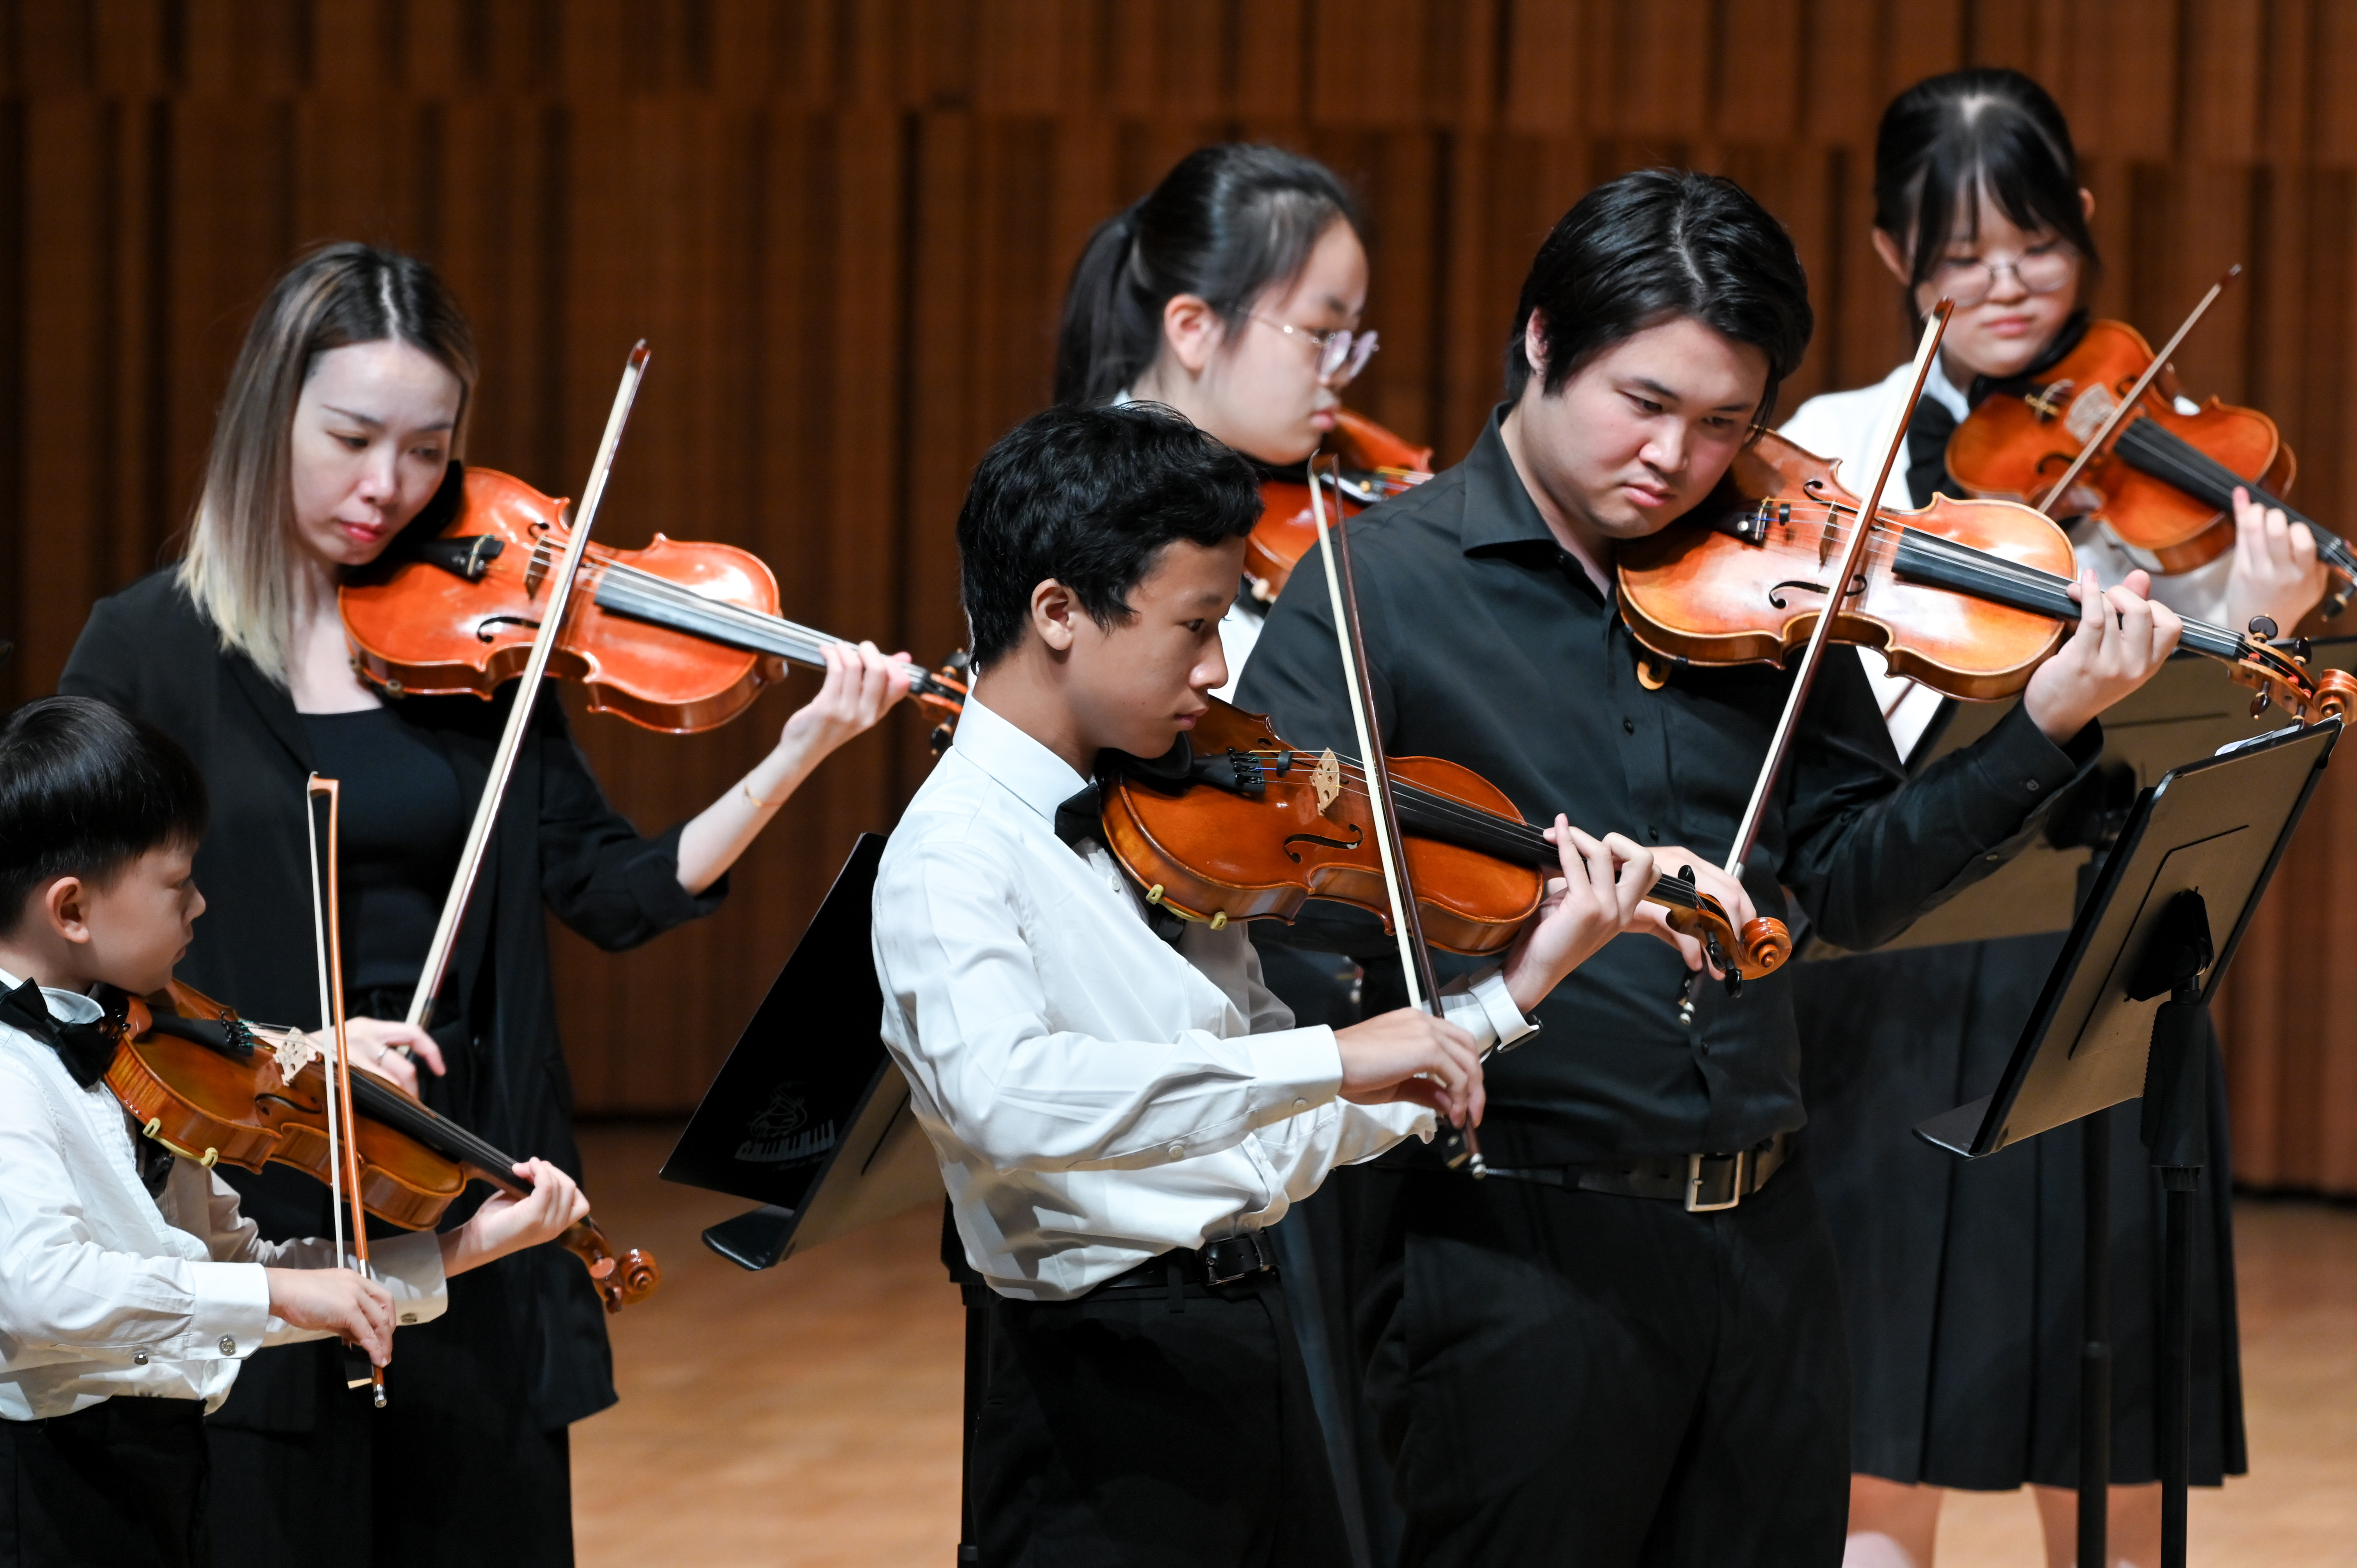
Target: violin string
[(684, 608), (1506, 837), (657, 588)]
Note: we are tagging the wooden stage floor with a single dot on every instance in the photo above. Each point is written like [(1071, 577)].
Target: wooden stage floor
[(808, 1416)]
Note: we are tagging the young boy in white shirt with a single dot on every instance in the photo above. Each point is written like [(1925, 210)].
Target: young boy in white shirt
[(131, 1289), (1119, 1114)]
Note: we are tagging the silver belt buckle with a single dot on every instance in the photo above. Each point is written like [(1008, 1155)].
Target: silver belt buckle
[(1694, 1205)]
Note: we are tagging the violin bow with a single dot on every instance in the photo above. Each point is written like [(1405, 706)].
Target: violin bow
[(343, 1148), (2127, 405), (1747, 833), (1407, 923), (543, 643)]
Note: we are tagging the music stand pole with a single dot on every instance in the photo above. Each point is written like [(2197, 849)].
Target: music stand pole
[(2094, 1341), (2177, 1132)]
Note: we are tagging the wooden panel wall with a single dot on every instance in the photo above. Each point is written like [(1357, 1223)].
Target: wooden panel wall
[(844, 226)]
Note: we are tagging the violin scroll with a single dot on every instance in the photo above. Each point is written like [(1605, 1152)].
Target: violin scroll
[(620, 1282)]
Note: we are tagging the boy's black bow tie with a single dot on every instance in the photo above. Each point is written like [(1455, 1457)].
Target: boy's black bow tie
[(1081, 816), (85, 1049)]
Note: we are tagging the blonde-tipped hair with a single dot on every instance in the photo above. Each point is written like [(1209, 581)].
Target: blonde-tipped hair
[(239, 563)]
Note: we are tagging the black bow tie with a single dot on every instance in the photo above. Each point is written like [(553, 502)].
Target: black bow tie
[(1927, 452), (85, 1049), (1081, 816)]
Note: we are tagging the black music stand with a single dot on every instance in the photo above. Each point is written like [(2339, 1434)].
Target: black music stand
[(2187, 711), (809, 1117), (2124, 1014)]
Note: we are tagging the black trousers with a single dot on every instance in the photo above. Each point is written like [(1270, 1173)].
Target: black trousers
[(1147, 1431), (1570, 1378), (121, 1485), (447, 1474)]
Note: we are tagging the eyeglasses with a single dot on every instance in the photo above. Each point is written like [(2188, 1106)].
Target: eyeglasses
[(1341, 355), (2041, 270)]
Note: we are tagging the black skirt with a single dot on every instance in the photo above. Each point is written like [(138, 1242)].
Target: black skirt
[(1961, 1282)]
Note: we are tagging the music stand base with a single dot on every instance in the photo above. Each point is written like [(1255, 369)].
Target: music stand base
[(755, 1239)]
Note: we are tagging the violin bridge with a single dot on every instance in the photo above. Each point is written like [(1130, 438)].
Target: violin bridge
[(292, 1051), (1326, 779), (2089, 410)]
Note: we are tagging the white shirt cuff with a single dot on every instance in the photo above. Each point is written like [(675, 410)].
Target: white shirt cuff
[(410, 1267), (229, 1317), (1484, 1007), (1294, 1071)]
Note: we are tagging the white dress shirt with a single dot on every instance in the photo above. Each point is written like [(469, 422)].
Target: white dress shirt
[(106, 1291), (1846, 425), (1096, 1096)]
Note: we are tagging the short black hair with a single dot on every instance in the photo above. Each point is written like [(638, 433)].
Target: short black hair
[(84, 791), (1089, 497), (1655, 246), (1950, 141)]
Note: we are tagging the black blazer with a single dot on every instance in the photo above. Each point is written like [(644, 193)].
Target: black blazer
[(532, 1321)]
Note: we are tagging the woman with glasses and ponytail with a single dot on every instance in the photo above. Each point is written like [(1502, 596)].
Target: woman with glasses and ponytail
[(1232, 291), (1962, 1281)]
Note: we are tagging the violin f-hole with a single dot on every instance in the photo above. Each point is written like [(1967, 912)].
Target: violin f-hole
[(486, 629), (1357, 836)]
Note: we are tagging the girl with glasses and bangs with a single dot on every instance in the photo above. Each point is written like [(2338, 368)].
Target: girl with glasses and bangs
[(1962, 1283)]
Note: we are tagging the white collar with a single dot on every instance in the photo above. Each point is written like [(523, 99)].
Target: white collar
[(66, 1007), (1030, 772)]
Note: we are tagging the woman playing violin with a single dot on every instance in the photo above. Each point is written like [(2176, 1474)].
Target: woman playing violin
[(1232, 291), (342, 426), (1962, 1334)]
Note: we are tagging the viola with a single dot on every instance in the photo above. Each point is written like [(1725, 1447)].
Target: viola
[(1235, 824), (1967, 597), (1375, 464), (2162, 480), (206, 1085), (678, 636)]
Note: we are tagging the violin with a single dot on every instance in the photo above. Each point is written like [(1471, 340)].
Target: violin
[(678, 636), (1967, 597), (1375, 464), (2100, 435), (206, 1085), (1235, 824)]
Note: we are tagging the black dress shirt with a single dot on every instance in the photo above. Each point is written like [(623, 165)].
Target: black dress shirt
[(1491, 647)]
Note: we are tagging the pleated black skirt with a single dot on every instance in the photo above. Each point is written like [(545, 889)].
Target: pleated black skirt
[(1961, 1283)]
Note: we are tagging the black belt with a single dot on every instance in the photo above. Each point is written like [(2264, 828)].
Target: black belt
[(1193, 1271), (1703, 1183)]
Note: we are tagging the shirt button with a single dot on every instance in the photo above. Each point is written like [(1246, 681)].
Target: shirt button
[(139, 1359), (1629, 726), (2031, 785), (1301, 1105), (229, 1345), (1176, 1150), (1652, 835)]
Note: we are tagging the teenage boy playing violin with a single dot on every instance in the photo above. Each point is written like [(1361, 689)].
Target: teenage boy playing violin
[(131, 1287), (1626, 1345), (1120, 1106)]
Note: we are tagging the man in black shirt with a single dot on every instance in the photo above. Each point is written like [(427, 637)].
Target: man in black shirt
[(1626, 1346)]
